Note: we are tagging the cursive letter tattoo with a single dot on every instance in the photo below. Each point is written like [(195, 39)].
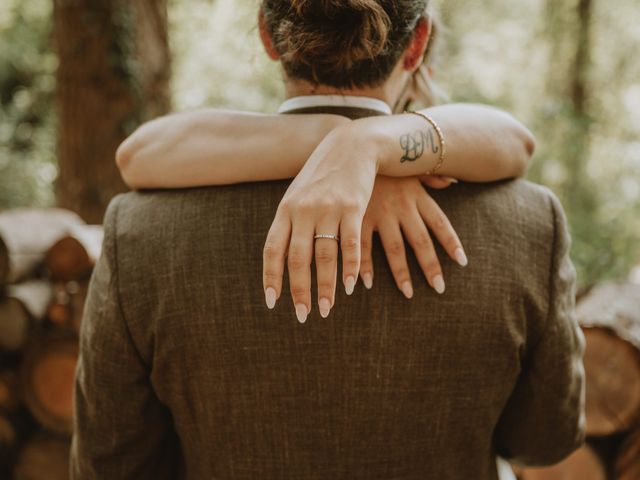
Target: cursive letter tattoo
[(413, 145)]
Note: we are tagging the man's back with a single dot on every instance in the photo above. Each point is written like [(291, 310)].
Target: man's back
[(184, 369)]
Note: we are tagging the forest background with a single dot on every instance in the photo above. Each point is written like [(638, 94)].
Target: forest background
[(566, 68)]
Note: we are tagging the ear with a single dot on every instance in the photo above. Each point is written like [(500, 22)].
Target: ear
[(266, 38), (414, 54)]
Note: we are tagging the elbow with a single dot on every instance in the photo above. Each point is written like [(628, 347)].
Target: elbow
[(124, 153), (529, 142), (128, 157), (523, 149)]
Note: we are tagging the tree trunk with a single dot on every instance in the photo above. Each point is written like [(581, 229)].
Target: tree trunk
[(113, 74), (579, 94)]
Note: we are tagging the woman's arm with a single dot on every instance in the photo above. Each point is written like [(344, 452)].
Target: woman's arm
[(482, 143), (196, 148), (334, 187)]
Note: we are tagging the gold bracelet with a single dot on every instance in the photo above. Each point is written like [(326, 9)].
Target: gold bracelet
[(440, 137)]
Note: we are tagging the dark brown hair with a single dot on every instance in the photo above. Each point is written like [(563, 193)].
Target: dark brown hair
[(343, 44)]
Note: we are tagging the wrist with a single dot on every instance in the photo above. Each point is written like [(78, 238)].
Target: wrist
[(372, 138)]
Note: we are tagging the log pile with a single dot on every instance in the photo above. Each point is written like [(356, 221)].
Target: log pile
[(610, 318), (46, 259)]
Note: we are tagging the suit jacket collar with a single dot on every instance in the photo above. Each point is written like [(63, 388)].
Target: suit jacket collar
[(351, 106)]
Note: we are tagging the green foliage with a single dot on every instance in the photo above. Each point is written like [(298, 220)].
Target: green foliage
[(218, 58), (520, 56), (27, 121)]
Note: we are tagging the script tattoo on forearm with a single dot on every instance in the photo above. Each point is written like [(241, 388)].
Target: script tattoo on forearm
[(414, 144)]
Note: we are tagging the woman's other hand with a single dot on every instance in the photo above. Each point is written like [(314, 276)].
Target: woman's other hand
[(437, 181), (401, 206)]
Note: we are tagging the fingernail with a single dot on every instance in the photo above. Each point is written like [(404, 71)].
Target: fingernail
[(461, 257), (438, 284), (407, 289), (349, 284), (367, 279), (270, 298), (325, 307), (301, 312)]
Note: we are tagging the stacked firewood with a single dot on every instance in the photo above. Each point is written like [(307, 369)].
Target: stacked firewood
[(610, 318), (46, 258)]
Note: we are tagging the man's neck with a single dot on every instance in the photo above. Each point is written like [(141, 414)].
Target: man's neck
[(300, 88)]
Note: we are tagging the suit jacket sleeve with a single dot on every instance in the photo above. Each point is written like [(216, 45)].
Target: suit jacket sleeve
[(543, 421), (121, 429)]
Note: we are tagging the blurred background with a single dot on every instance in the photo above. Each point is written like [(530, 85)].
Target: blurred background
[(78, 76)]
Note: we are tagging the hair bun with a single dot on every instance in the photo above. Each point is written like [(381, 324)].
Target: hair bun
[(341, 43), (342, 32)]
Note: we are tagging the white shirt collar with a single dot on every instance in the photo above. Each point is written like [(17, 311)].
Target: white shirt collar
[(308, 101)]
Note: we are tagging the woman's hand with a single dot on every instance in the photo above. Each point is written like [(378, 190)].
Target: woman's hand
[(328, 197), (402, 206)]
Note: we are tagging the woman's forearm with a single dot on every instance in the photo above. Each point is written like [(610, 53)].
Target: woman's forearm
[(217, 147), (481, 143)]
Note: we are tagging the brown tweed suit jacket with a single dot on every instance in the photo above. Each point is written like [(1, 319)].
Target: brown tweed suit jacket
[(184, 373)]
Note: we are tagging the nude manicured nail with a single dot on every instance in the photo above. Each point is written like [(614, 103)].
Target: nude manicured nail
[(301, 312), (367, 279), (324, 305), (349, 284), (438, 284), (461, 257), (270, 298), (407, 289)]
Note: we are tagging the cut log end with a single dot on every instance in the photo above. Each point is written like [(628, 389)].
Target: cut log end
[(612, 370), (68, 305), (69, 260), (28, 233), (15, 325), (48, 374), (583, 464)]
